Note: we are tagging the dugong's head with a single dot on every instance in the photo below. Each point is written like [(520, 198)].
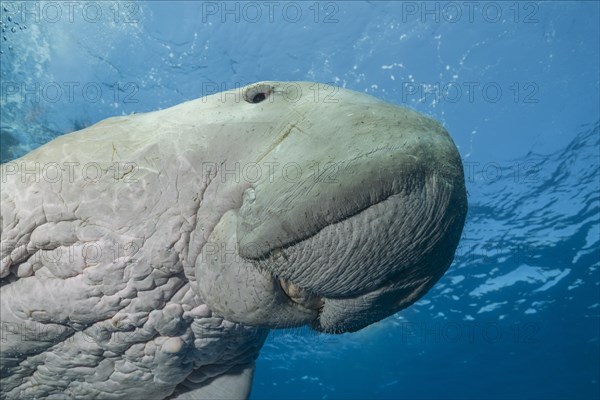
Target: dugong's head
[(359, 215)]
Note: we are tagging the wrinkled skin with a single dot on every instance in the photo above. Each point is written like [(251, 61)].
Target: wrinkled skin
[(155, 264)]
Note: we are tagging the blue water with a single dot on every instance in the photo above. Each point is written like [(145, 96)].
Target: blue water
[(516, 84)]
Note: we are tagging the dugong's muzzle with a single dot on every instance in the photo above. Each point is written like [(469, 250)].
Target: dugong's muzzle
[(370, 226)]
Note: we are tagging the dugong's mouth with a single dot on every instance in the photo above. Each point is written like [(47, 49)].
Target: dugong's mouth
[(342, 272)]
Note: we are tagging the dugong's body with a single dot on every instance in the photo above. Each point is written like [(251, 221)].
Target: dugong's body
[(147, 256)]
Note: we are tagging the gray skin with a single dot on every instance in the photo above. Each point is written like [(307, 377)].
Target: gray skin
[(154, 262)]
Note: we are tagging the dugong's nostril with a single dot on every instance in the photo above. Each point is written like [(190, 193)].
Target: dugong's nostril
[(257, 93), (258, 97)]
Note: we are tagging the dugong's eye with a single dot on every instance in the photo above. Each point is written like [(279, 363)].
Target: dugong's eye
[(258, 93)]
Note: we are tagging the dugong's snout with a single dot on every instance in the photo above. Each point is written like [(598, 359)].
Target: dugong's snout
[(372, 226)]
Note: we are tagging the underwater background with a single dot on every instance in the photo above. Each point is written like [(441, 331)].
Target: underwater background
[(515, 83)]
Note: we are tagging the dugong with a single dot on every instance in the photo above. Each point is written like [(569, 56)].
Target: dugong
[(147, 256)]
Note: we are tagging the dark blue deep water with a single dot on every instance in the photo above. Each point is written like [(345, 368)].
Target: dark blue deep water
[(515, 83)]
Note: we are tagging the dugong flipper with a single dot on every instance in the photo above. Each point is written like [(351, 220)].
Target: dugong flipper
[(147, 256)]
